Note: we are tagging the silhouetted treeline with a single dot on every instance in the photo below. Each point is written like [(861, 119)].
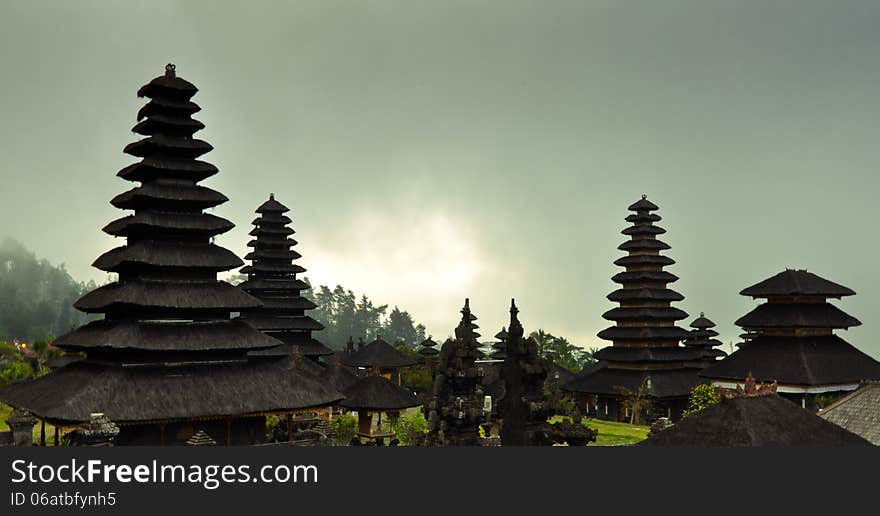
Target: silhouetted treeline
[(344, 314), (36, 297)]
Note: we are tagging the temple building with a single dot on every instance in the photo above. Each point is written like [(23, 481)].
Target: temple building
[(272, 279), (377, 395), (702, 338), (379, 354), (166, 360), (645, 351), (792, 341)]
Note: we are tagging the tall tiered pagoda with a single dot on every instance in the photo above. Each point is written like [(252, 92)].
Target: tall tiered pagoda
[(272, 279), (645, 348), (702, 338), (792, 341), (166, 359)]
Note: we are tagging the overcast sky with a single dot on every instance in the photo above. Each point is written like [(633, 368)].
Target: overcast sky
[(436, 150)]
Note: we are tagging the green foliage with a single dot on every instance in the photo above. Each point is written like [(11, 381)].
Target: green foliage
[(411, 429), (824, 400), (567, 404), (562, 352), (272, 422), (416, 378), (344, 429), (18, 370), (702, 397)]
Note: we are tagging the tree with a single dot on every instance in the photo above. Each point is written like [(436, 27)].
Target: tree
[(399, 329), (635, 401), (702, 397)]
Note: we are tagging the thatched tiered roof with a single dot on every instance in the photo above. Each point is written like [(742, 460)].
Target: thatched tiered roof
[(702, 339), (645, 338), (166, 348), (272, 279), (378, 354), (791, 339)]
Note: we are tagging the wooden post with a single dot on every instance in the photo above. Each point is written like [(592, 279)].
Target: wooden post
[(289, 426), (42, 433), (161, 434), (56, 436), (228, 431)]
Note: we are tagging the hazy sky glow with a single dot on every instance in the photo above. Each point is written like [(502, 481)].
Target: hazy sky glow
[(436, 150)]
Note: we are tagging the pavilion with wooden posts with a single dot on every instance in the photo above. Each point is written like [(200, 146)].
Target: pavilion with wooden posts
[(376, 394)]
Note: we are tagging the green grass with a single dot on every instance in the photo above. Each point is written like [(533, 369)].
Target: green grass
[(5, 410), (613, 433)]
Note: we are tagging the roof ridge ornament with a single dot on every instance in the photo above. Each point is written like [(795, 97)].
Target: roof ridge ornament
[(645, 196), (170, 70)]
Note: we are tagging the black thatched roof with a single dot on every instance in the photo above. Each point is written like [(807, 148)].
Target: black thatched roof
[(644, 277), (339, 376), (660, 313), (644, 294), (377, 393), (644, 259), (63, 360), (272, 206), (165, 336), (172, 196), (643, 354), (665, 383), (754, 421), (797, 315), (637, 333), (805, 361), (558, 372), (168, 86), (152, 168), (644, 245), (198, 255), (138, 394), (702, 322), (643, 204), (379, 353), (791, 282), (201, 295)]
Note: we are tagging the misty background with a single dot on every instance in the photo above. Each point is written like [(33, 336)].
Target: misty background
[(432, 151)]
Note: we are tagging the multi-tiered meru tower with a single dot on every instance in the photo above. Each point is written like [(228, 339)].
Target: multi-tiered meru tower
[(166, 360), (645, 351), (272, 279), (792, 341)]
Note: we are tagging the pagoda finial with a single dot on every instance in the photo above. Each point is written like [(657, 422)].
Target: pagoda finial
[(170, 70), (702, 314), (271, 196), (513, 309), (644, 196)]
